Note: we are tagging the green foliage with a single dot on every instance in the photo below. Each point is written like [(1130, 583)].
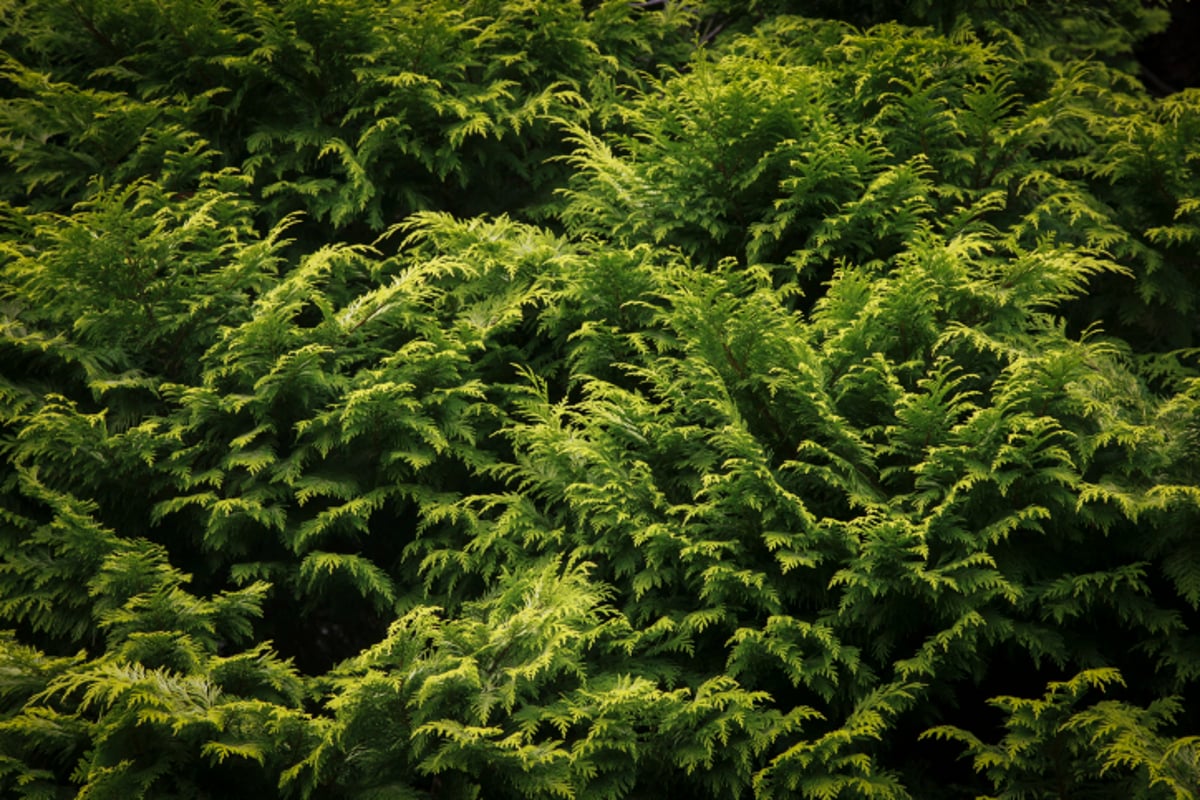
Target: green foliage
[(356, 113), (1051, 749), (518, 400), (1068, 29)]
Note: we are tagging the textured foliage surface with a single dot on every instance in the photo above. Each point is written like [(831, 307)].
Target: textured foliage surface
[(515, 399)]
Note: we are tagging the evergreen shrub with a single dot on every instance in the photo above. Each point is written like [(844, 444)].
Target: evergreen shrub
[(515, 399)]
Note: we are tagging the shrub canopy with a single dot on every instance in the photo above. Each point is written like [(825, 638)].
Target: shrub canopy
[(544, 399)]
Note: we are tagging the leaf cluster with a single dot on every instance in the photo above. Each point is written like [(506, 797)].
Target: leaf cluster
[(508, 399)]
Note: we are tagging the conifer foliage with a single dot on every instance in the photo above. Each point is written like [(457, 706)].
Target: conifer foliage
[(515, 399)]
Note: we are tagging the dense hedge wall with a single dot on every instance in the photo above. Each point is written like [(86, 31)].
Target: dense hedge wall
[(528, 398)]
